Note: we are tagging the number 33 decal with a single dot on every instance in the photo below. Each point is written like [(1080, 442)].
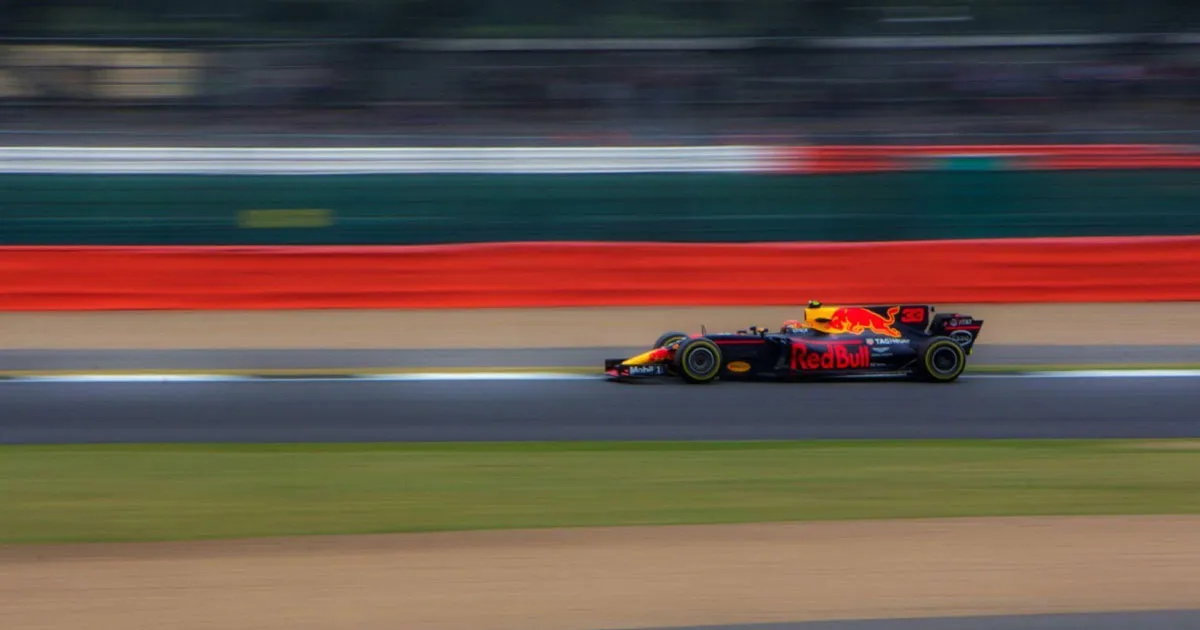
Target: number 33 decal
[(912, 315)]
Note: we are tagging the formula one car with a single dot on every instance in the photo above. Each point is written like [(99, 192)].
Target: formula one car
[(830, 341)]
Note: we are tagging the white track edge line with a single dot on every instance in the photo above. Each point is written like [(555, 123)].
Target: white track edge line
[(1133, 373)]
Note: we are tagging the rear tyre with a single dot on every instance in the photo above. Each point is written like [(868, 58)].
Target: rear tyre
[(669, 338), (698, 361), (941, 360)]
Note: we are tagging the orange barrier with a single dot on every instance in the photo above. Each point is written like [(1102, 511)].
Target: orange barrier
[(600, 274)]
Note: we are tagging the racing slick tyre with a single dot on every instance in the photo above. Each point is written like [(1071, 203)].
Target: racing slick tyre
[(698, 360), (940, 360), (669, 338)]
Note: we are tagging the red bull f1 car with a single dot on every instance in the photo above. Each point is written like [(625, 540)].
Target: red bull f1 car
[(831, 341)]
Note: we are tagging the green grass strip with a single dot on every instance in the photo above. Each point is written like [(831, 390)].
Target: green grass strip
[(148, 492)]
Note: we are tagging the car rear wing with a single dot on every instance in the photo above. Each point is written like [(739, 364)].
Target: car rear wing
[(963, 329)]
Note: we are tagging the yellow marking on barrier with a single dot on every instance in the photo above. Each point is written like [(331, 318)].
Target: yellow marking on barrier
[(289, 218)]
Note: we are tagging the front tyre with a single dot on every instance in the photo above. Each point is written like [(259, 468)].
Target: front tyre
[(698, 361), (941, 360)]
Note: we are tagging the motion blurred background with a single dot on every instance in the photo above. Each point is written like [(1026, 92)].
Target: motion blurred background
[(852, 151), (617, 72)]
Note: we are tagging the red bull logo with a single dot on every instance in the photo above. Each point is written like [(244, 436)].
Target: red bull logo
[(856, 321), (836, 357)]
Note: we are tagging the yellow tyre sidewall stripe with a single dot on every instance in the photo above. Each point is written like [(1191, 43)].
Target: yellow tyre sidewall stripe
[(716, 350), (928, 359)]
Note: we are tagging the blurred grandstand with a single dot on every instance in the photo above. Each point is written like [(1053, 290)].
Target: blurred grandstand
[(472, 72)]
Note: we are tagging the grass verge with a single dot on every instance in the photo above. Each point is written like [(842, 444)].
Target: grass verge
[(163, 492)]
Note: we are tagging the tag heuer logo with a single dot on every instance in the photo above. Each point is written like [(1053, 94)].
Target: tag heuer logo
[(870, 342)]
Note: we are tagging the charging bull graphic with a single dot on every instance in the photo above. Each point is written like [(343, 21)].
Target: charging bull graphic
[(856, 320)]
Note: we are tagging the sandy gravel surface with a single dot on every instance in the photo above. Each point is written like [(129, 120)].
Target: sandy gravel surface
[(1065, 324), (611, 578)]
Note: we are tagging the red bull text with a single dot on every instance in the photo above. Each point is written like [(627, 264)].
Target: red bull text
[(835, 357), (856, 321)]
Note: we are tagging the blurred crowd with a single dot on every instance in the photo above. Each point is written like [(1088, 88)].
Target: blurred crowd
[(875, 71)]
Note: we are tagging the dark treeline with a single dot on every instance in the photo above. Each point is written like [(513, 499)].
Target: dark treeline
[(590, 18)]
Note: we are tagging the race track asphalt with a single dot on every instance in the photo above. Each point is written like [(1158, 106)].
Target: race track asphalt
[(581, 408)]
